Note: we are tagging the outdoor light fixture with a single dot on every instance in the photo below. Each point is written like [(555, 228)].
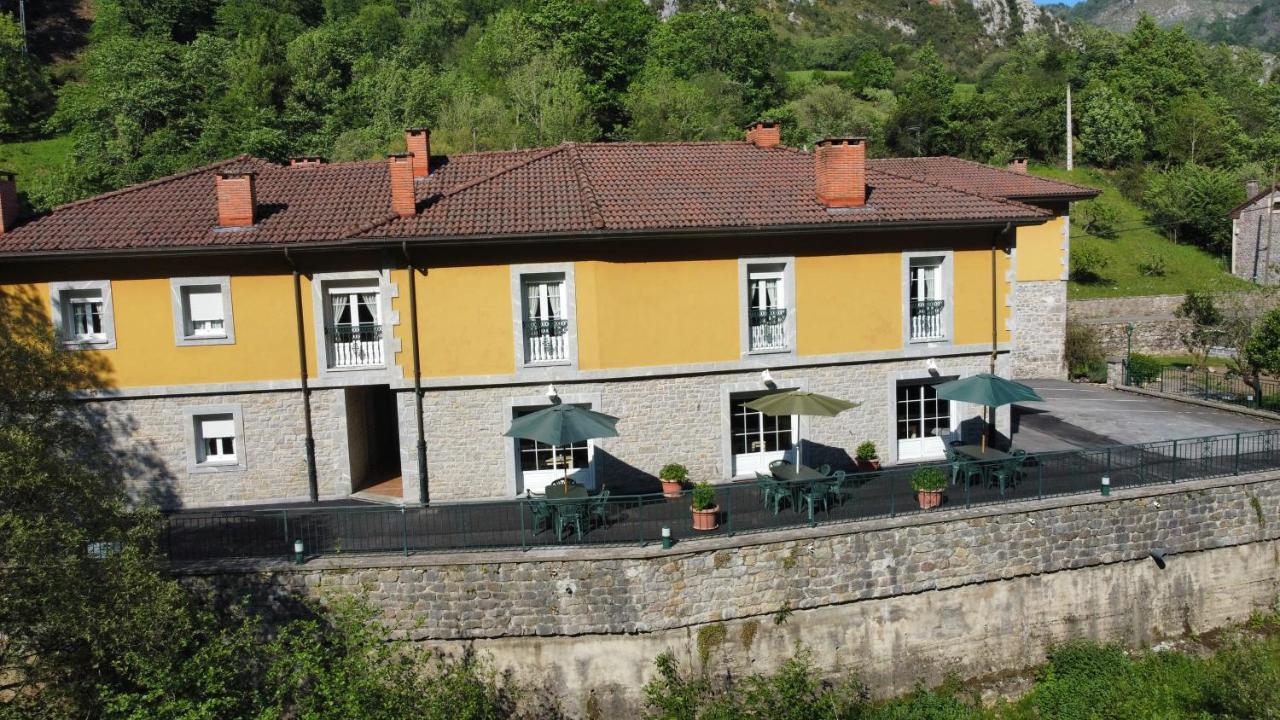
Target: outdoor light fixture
[(766, 377), (551, 391), (1106, 486), (297, 551), (667, 542), (931, 365), (1157, 554)]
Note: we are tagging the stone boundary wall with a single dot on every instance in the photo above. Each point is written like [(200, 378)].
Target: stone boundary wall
[(1156, 328)]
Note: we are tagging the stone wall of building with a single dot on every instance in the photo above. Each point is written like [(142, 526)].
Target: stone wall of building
[(664, 420), (969, 591), (154, 438), (1252, 234), (1039, 329)]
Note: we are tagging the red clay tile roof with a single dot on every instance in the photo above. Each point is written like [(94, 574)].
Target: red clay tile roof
[(982, 179), (565, 190)]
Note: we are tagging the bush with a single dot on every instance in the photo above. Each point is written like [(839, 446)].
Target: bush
[(1153, 265), (704, 496), (1143, 369), (674, 472), (1100, 219), (928, 479), (1084, 355), (866, 451), (1087, 264)]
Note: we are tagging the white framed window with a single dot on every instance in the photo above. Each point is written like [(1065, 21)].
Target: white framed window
[(353, 326), (927, 291), (215, 438), (546, 321), (540, 465), (202, 311), (921, 419), (82, 314), (767, 298)]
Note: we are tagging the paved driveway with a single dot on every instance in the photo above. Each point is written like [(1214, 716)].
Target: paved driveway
[(1075, 415)]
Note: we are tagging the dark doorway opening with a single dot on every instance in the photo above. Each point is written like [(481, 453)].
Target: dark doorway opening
[(373, 441)]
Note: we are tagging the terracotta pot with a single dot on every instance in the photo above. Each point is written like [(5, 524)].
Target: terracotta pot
[(929, 498), (706, 519), (872, 464), (672, 489)]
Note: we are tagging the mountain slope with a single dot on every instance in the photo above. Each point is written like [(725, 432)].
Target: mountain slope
[(1195, 14)]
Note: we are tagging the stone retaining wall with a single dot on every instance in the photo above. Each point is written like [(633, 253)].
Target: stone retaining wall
[(1156, 329), (602, 601)]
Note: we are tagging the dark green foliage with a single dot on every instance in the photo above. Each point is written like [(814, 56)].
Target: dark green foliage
[(1098, 218), (704, 496), (1263, 348), (928, 479), (25, 96), (1200, 310), (1087, 264), (866, 451), (1194, 203), (1084, 355), (1143, 369)]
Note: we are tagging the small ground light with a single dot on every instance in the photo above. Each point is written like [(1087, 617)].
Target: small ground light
[(1106, 485), (1157, 554), (297, 551), (667, 542)]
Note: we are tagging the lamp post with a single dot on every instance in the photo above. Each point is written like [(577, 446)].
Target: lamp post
[(1128, 354)]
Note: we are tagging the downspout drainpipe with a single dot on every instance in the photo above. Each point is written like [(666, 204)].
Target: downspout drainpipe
[(310, 443), (423, 496)]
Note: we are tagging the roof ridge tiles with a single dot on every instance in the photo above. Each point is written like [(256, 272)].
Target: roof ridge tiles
[(588, 190), (1036, 212), (162, 180), (999, 169)]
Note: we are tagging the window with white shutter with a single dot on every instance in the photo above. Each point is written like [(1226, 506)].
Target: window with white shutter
[(216, 438), (203, 309)]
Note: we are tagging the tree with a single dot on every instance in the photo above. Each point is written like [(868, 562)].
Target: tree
[(1197, 129), (548, 101), (665, 107), (1194, 203), (1109, 128), (1205, 329), (1262, 351), (922, 103), (828, 111), (25, 97), (871, 71)]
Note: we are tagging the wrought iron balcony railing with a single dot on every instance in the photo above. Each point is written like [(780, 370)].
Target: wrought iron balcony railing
[(927, 320), (768, 328), (546, 340), (354, 345)]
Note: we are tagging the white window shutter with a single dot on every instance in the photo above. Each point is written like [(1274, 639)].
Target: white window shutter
[(204, 304), (217, 427)]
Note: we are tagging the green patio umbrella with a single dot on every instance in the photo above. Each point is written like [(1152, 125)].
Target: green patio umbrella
[(988, 390), (563, 425), (800, 402)]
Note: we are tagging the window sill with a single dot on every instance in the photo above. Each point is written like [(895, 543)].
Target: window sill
[(103, 343), (216, 467), (205, 340), (355, 368), (771, 351), (548, 363), (929, 341)]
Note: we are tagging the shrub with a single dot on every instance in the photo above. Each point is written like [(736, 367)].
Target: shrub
[(866, 451), (1143, 369), (674, 472), (1084, 354), (1087, 264), (928, 479), (1100, 219), (1153, 265), (704, 496)]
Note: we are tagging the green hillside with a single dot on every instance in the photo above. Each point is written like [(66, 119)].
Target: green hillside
[(34, 159), (1186, 267)]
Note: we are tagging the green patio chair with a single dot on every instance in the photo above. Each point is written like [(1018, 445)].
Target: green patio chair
[(817, 491), (542, 515), (842, 487), (971, 470), (825, 470), (772, 492), (569, 513), (1006, 474), (949, 450), (600, 507)]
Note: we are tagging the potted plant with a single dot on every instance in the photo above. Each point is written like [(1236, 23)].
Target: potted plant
[(704, 507), (673, 477), (928, 483), (867, 457)]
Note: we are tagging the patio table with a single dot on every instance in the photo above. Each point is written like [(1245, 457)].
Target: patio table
[(557, 491), (976, 452), (793, 473), (805, 482)]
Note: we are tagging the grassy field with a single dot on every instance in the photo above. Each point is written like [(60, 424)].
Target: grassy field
[(34, 158), (1186, 267)]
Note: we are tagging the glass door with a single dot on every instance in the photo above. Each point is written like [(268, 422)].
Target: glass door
[(759, 439), (541, 465), (921, 414)]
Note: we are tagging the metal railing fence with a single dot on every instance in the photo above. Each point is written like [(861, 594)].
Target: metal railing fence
[(927, 319), (768, 328), (1213, 384), (354, 345), (744, 507)]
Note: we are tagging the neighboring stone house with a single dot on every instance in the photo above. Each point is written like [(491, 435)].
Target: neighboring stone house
[(1255, 229), (312, 331)]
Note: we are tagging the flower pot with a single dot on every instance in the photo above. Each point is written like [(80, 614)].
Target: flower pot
[(706, 519), (929, 498), (867, 465), (672, 489)]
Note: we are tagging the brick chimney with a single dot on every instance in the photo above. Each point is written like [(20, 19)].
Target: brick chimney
[(237, 199), (306, 161), (418, 141), (765, 134), (841, 168), (1018, 165), (8, 201), (400, 168)]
